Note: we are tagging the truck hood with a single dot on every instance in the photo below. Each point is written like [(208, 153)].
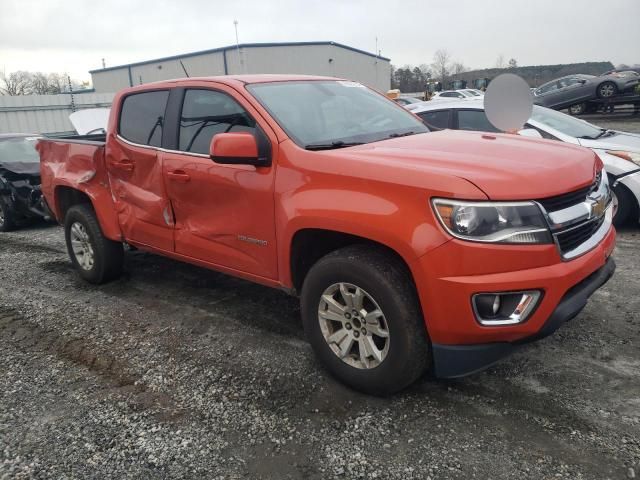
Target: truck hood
[(503, 166)]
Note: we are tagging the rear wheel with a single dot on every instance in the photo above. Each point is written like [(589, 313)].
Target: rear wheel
[(7, 217), (363, 320), (96, 258), (607, 90)]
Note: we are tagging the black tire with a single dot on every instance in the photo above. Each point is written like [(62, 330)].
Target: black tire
[(108, 256), (627, 204), (577, 109), (605, 90), (386, 279), (7, 217)]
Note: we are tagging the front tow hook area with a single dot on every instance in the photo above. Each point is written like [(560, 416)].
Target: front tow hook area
[(454, 361)]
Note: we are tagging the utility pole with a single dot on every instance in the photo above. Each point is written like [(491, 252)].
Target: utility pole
[(104, 65), (73, 104), (243, 65)]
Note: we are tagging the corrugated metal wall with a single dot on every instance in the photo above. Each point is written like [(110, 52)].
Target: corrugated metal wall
[(320, 59), (46, 113)]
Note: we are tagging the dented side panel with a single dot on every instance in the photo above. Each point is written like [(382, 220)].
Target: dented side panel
[(77, 165)]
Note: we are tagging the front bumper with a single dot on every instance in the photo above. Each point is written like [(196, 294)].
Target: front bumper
[(448, 277), (451, 361)]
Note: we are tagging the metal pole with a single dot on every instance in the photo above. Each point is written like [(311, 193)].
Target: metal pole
[(240, 57), (73, 105)]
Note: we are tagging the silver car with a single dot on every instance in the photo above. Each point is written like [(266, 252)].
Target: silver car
[(620, 151), (573, 91)]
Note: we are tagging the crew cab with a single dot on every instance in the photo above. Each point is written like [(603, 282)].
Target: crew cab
[(410, 250)]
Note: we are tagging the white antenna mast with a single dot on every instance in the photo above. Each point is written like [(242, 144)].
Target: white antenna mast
[(240, 56)]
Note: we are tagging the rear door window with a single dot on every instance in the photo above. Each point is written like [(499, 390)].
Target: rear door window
[(206, 113), (142, 117), (475, 120), (438, 119)]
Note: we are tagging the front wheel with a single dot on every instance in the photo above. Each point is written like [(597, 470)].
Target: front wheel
[(607, 90), (577, 109), (7, 222), (362, 317), (624, 204), (96, 258)]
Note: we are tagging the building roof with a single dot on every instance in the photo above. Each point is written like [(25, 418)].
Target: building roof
[(233, 47)]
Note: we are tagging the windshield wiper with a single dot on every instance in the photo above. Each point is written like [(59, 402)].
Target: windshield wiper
[(603, 133), (405, 134), (332, 145)]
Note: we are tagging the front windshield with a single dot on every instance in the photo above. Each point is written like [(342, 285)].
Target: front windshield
[(565, 123), (334, 113), (18, 150)]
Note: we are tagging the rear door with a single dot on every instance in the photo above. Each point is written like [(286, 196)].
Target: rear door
[(473, 120), (135, 171), (436, 118), (224, 214)]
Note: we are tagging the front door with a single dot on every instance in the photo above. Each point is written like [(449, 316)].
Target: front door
[(135, 171), (224, 214)]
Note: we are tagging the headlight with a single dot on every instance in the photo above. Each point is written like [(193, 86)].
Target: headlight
[(631, 156), (495, 222)]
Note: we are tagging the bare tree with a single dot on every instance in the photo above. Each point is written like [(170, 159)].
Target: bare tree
[(457, 68), (513, 63), (500, 61), (57, 82), (16, 83), (441, 65), (33, 83)]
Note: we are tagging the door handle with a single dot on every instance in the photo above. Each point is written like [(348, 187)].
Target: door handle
[(178, 176), (125, 165)]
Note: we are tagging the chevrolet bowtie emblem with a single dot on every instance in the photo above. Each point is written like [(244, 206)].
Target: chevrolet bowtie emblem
[(598, 206)]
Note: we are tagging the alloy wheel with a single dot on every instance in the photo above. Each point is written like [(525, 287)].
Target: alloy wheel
[(354, 326), (607, 90), (81, 245)]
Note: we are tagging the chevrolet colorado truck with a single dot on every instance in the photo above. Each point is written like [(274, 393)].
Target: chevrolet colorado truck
[(410, 250)]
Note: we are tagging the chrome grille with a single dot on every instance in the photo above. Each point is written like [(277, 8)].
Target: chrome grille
[(560, 202), (571, 239)]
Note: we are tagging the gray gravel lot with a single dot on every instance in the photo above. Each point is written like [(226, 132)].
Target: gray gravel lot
[(174, 371), (178, 372)]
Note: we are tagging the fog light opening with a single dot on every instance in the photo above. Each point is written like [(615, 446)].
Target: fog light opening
[(506, 308)]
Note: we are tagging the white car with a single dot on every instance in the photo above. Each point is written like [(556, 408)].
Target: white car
[(620, 151), (452, 95)]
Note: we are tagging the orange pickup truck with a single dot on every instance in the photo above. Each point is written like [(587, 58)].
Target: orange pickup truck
[(410, 250)]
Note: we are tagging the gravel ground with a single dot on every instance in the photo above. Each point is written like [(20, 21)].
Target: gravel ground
[(174, 372)]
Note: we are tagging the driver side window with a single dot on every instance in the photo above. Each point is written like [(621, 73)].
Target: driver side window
[(547, 88), (206, 113)]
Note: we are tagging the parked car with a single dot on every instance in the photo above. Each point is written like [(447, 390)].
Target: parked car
[(404, 101), (410, 250), (20, 196), (473, 92), (573, 91), (451, 94), (620, 151)]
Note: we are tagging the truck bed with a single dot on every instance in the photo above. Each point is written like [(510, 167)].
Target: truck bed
[(70, 162)]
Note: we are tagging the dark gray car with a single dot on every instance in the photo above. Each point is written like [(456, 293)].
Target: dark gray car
[(573, 91)]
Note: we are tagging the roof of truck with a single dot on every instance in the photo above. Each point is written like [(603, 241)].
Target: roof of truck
[(246, 79)]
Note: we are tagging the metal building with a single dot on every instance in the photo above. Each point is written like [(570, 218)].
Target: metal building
[(46, 113), (311, 58)]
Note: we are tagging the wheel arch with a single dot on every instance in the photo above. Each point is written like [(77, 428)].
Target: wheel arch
[(308, 245), (66, 196)]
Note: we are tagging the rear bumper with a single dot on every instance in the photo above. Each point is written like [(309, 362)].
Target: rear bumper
[(451, 361)]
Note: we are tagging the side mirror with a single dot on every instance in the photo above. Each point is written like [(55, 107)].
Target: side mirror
[(530, 132), (236, 149)]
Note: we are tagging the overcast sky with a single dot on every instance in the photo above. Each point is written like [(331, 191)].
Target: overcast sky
[(74, 35)]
